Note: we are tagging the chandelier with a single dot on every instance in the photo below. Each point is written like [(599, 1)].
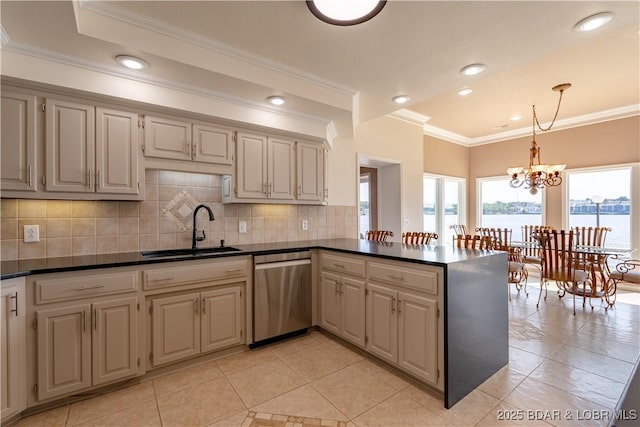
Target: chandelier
[(537, 175)]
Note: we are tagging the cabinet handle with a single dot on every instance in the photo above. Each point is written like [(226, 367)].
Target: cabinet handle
[(84, 288), (399, 306), (84, 321), (29, 175), (90, 178), (326, 193), (95, 319), (195, 303), (204, 309), (194, 151), (264, 188), (400, 278), (15, 310), (234, 269), (339, 265), (270, 185), (98, 179), (393, 308), (299, 190)]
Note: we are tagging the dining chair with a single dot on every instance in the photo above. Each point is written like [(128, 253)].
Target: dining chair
[(418, 237), (593, 236), (378, 235), (459, 229), (558, 265), (531, 255), (517, 271), (472, 242), (626, 271)]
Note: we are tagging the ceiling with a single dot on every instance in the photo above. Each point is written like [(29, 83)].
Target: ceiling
[(245, 51)]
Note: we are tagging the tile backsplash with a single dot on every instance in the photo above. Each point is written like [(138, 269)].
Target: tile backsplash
[(162, 221)]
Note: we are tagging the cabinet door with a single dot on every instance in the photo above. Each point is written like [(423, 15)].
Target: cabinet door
[(175, 328), (222, 318), (114, 341), (167, 138), (330, 303), (309, 171), (70, 146), (418, 340), (13, 347), (212, 144), (251, 179), (353, 302), (18, 136), (280, 168), (116, 152), (382, 322), (64, 350)]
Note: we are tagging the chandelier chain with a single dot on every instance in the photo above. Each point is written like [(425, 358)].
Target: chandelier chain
[(555, 116)]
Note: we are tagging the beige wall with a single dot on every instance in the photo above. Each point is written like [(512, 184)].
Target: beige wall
[(93, 227), (608, 143)]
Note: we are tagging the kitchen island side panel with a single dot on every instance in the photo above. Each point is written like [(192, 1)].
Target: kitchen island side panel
[(476, 323)]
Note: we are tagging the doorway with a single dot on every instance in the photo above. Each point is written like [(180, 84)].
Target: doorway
[(368, 200)]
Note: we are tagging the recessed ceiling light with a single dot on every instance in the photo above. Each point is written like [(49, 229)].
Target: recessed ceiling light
[(473, 69), (465, 91), (401, 99), (593, 22), (343, 13), (132, 62), (515, 117), (277, 100)]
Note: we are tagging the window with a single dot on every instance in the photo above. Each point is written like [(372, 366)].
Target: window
[(443, 204), (614, 186), (501, 206)]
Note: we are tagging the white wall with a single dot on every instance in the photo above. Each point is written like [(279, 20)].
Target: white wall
[(390, 200)]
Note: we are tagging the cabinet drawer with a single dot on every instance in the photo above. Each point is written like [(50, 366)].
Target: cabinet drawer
[(343, 264), (68, 288), (414, 277), (181, 274)]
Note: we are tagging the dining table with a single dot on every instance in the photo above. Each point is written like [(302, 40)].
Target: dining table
[(599, 259)]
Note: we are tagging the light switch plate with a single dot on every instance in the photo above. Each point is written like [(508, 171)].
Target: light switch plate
[(31, 233), (242, 226), (305, 224)]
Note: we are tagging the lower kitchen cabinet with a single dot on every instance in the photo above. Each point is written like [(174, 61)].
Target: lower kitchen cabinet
[(342, 307), (13, 347), (188, 324), (85, 345), (402, 328)]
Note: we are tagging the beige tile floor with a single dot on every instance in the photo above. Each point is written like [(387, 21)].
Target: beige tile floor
[(563, 370)]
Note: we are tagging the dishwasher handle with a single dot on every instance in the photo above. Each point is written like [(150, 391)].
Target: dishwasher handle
[(282, 264)]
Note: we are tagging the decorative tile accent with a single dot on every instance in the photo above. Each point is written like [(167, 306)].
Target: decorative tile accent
[(179, 210)]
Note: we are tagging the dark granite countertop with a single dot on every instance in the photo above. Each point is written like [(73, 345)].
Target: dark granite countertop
[(436, 255)]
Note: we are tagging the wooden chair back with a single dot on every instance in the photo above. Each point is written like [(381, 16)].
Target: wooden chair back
[(378, 235), (418, 237), (459, 229), (472, 242), (590, 236), (528, 235), (558, 255), (501, 237)]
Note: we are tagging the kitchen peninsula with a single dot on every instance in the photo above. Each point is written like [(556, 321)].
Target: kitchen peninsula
[(468, 290)]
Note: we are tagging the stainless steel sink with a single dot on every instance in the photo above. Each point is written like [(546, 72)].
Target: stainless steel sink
[(188, 251)]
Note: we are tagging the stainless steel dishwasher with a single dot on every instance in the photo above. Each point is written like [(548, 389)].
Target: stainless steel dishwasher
[(281, 294)]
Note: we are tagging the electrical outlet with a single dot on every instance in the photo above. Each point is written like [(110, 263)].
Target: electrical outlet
[(31, 233), (242, 226), (305, 224)]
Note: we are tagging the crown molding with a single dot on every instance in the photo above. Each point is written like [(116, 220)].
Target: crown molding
[(583, 120), (166, 29), (409, 116)]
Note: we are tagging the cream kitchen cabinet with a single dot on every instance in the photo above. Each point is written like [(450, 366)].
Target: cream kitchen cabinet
[(18, 136), (342, 297), (189, 324), (86, 330), (90, 150), (265, 167), (13, 347), (402, 323), (310, 171), (172, 138)]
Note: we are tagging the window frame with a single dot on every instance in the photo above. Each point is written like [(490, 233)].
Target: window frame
[(440, 214)]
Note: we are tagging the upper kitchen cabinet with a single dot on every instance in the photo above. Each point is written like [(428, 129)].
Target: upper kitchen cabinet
[(200, 145), (91, 150), (265, 168), (276, 170), (18, 142)]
